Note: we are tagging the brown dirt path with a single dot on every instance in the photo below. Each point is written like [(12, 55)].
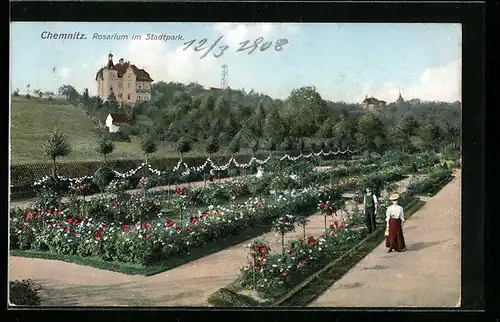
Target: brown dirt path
[(427, 275), (66, 284)]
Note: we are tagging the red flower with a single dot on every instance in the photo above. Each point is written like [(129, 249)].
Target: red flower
[(75, 234), (97, 237), (103, 225), (303, 262), (325, 187), (321, 206), (190, 228), (100, 232), (146, 236), (333, 234), (194, 219), (147, 225), (125, 228), (349, 219), (169, 223), (202, 227), (263, 250), (292, 253), (284, 273), (118, 182), (261, 257), (66, 229), (256, 265), (204, 214), (178, 229), (329, 203), (17, 229), (77, 222), (260, 205), (332, 226), (84, 218)]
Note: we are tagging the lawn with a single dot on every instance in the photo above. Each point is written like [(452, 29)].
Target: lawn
[(33, 120)]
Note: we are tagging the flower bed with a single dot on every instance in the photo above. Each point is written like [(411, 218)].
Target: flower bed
[(431, 182), (272, 275), (132, 231)]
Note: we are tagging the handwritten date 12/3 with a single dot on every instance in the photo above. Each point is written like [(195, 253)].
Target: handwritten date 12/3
[(247, 45)]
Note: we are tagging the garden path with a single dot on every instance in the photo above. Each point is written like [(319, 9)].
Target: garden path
[(427, 275), (66, 284)]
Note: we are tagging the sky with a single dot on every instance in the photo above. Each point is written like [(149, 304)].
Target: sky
[(345, 62)]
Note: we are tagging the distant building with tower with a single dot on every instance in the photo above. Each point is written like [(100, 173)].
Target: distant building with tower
[(373, 104), (129, 83)]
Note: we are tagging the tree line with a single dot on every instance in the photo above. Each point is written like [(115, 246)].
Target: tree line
[(233, 119)]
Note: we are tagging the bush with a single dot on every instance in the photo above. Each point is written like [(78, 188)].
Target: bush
[(102, 177), (119, 137), (24, 292)]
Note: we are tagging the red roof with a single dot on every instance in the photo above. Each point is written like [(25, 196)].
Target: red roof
[(119, 118), (141, 74), (373, 100)]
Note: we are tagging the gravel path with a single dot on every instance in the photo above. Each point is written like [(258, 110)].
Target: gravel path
[(427, 275), (187, 285)]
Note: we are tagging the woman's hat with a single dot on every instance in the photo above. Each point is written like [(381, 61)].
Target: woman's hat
[(394, 196)]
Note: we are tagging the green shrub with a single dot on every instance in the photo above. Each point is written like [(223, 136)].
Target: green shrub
[(102, 177), (24, 292)]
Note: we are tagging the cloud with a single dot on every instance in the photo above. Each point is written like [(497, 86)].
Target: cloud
[(64, 73), (441, 83)]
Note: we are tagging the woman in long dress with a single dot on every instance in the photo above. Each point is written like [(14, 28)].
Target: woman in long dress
[(395, 221)]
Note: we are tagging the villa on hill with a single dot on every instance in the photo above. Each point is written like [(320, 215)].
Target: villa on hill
[(129, 83), (371, 103)]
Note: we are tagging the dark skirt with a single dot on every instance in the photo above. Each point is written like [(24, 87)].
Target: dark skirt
[(395, 240)]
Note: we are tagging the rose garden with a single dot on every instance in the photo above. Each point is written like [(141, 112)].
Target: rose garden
[(148, 221)]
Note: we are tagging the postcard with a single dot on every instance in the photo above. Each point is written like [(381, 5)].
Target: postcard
[(235, 164)]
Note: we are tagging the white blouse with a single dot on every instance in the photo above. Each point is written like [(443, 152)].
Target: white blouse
[(395, 211)]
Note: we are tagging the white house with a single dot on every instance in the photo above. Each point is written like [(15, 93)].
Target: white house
[(113, 122)]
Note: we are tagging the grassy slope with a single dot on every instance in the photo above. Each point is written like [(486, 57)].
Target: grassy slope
[(33, 120)]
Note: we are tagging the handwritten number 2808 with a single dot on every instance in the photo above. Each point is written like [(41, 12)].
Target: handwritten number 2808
[(245, 45), (278, 46)]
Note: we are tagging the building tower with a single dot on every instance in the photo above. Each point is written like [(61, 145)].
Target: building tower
[(223, 80), (400, 98)]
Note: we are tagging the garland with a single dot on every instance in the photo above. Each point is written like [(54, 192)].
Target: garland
[(187, 170)]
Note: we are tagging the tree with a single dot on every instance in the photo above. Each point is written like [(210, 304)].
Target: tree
[(212, 145), (183, 146), (301, 145), (234, 145), (86, 98), (255, 146), (148, 146), (38, 93), (16, 92), (370, 131), (28, 86), (105, 146), (112, 103), (287, 145), (70, 92), (56, 146), (431, 136)]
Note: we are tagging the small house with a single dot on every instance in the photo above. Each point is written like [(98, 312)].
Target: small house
[(114, 121)]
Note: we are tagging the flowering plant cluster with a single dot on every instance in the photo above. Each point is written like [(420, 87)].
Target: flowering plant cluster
[(257, 251), (118, 186), (284, 224), (143, 183), (302, 257)]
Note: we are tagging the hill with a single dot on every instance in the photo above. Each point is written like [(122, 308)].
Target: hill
[(31, 121)]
